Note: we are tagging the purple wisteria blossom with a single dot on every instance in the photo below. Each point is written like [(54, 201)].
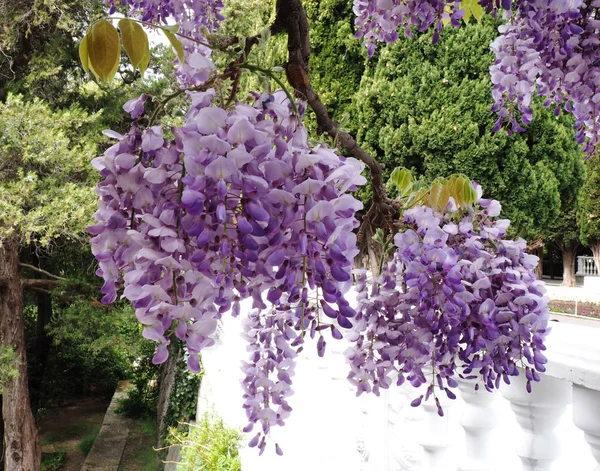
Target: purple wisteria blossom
[(236, 206), (457, 299)]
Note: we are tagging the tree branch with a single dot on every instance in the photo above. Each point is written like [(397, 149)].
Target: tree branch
[(39, 270), (38, 283), (291, 17)]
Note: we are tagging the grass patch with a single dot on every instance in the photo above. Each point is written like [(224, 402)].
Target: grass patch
[(147, 426), (139, 454), (53, 461), (85, 444), (210, 445)]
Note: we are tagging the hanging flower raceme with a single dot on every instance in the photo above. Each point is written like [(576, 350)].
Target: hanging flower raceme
[(236, 206), (457, 299)]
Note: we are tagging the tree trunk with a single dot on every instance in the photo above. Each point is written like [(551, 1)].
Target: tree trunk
[(568, 257), (539, 269), (21, 444), (595, 246)]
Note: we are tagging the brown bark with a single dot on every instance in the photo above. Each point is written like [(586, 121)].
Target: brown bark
[(292, 18), (568, 256), (21, 444)]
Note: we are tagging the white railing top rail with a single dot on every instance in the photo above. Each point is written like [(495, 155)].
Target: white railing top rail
[(573, 353)]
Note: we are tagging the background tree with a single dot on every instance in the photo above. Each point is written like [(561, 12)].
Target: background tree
[(45, 194), (589, 209), (45, 179)]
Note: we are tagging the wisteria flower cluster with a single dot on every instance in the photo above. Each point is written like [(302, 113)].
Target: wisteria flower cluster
[(456, 299), (380, 20), (236, 206), (551, 47), (190, 15)]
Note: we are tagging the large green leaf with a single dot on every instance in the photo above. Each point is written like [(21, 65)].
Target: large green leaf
[(135, 43), (83, 53), (104, 51), (176, 43)]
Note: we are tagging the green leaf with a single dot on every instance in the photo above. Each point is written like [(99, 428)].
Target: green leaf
[(174, 29), (176, 43), (83, 53), (104, 51), (402, 178), (145, 62), (135, 43), (471, 7)]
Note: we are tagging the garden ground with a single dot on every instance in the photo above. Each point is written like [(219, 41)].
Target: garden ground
[(68, 432)]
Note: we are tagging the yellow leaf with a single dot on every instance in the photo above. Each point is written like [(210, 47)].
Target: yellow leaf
[(477, 10), (104, 51), (472, 8), (135, 43), (83, 53), (434, 195), (466, 6), (176, 43), (145, 61)]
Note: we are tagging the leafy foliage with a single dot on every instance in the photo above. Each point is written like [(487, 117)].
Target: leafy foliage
[(589, 209), (8, 369), (210, 445), (54, 461), (86, 443), (337, 59), (142, 398), (184, 397), (93, 348), (45, 174)]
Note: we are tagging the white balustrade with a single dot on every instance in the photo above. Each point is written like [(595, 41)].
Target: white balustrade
[(479, 419), (586, 415), (436, 437), (331, 429), (538, 413), (586, 266)]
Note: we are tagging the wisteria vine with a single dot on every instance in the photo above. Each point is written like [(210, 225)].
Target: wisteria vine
[(235, 204)]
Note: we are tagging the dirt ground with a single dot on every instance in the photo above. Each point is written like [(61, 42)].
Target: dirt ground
[(63, 428)]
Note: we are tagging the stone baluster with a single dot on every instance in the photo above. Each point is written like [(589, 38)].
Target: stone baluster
[(435, 436), (586, 415), (478, 420), (538, 414)]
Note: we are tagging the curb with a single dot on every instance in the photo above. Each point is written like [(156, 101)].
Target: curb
[(108, 447)]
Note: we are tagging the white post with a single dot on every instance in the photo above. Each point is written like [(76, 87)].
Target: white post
[(435, 436), (586, 415), (479, 419), (538, 414)]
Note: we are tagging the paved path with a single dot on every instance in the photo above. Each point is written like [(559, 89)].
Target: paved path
[(107, 450)]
